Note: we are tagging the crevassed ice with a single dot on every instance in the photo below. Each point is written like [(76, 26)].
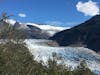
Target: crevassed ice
[(71, 55)]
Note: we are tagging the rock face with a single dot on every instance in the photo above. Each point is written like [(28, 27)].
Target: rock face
[(86, 34), (37, 33), (32, 32)]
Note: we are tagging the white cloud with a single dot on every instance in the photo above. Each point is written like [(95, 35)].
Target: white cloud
[(71, 23), (60, 23), (49, 28), (22, 15), (54, 22), (89, 8)]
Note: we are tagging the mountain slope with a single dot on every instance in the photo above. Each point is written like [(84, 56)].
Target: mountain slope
[(36, 31), (86, 34), (32, 30)]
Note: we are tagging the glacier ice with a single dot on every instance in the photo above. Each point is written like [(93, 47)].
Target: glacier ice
[(71, 55)]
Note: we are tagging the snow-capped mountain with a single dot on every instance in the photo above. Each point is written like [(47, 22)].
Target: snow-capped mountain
[(51, 30)]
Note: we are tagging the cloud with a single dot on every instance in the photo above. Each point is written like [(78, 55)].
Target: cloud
[(49, 28), (22, 15), (54, 22), (89, 8), (60, 23), (71, 23)]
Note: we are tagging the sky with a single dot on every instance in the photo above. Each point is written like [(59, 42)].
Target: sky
[(66, 13)]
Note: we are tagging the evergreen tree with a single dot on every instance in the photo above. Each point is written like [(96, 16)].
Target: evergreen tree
[(82, 69)]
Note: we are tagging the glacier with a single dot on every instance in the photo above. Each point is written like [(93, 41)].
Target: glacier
[(71, 55)]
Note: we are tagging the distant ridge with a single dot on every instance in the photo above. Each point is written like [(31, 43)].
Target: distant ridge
[(32, 30)]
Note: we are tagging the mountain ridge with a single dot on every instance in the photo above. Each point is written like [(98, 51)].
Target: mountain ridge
[(35, 31), (86, 34)]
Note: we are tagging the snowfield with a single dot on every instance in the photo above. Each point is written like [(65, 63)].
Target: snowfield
[(71, 55)]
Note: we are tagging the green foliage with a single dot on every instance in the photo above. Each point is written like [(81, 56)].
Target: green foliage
[(9, 33), (82, 69), (14, 59), (17, 60), (55, 68)]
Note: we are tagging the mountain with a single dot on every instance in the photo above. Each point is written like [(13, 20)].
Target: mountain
[(51, 30), (35, 31), (86, 34), (31, 31)]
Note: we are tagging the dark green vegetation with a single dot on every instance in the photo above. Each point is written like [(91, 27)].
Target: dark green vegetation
[(15, 58), (86, 34)]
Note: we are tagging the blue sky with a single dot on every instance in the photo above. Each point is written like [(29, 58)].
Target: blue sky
[(55, 12)]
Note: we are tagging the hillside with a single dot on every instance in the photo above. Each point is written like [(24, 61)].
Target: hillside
[(35, 31), (86, 34)]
